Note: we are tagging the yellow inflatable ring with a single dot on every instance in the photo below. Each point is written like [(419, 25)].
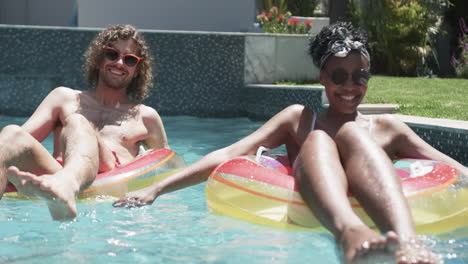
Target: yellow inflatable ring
[(147, 169), (261, 190)]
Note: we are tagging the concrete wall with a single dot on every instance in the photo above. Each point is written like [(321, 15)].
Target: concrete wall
[(270, 58), (37, 12), (195, 74), (199, 15)]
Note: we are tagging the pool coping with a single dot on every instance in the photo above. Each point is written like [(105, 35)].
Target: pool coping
[(434, 122)]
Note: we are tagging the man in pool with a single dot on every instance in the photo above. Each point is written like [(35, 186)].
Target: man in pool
[(94, 130), (334, 151)]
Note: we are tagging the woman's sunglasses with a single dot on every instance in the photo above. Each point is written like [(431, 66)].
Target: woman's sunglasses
[(113, 55), (340, 76)]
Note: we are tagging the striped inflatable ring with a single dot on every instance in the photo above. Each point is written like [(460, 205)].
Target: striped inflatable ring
[(261, 190), (147, 169)]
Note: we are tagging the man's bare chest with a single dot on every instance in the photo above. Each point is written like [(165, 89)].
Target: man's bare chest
[(121, 125)]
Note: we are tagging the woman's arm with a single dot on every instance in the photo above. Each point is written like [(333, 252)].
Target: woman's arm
[(279, 129), (409, 144)]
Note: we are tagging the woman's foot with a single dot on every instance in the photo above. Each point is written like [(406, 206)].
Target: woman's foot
[(363, 245), (413, 251)]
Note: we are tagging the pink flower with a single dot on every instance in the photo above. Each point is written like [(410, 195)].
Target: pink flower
[(268, 15), (281, 17), (308, 23)]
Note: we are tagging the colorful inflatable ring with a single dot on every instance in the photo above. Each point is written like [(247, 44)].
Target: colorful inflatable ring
[(261, 190), (151, 167)]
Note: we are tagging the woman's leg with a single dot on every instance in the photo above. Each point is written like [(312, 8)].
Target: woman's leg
[(323, 185), (373, 181)]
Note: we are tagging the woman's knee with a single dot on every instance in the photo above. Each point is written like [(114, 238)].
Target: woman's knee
[(318, 136), (350, 133), (318, 149), (317, 142)]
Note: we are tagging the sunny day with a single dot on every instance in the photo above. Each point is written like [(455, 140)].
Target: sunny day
[(256, 131)]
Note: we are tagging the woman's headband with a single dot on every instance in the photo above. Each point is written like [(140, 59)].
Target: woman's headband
[(343, 46)]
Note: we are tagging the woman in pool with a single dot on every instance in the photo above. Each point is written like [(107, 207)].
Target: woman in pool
[(334, 151)]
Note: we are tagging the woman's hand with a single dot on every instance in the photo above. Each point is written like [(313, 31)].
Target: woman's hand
[(142, 197)]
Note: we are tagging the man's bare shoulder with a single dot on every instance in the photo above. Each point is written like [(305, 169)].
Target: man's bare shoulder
[(148, 112), (63, 92)]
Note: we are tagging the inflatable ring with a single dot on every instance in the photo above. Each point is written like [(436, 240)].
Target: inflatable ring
[(261, 190), (147, 169)]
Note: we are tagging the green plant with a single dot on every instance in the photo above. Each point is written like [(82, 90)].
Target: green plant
[(281, 5), (304, 8), (282, 23), (461, 65), (401, 33)]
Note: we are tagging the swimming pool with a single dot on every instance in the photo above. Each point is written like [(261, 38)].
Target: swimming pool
[(178, 228)]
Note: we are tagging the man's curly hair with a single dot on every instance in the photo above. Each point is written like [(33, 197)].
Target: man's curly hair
[(139, 87), (320, 44)]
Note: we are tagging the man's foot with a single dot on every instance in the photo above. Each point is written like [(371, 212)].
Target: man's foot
[(56, 189), (363, 245)]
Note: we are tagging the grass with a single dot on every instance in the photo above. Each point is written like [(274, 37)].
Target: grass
[(428, 97)]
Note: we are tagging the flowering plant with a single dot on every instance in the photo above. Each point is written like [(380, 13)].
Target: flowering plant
[(275, 22)]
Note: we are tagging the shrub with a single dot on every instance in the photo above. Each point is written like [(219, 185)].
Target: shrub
[(304, 8), (461, 65), (401, 33)]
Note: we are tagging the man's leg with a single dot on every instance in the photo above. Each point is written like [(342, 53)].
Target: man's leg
[(58, 187), (18, 148)]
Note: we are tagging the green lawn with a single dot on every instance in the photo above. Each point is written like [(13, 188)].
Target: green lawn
[(429, 97)]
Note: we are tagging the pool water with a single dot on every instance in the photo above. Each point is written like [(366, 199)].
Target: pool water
[(178, 227)]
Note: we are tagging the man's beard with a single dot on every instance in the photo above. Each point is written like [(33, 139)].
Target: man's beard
[(114, 84)]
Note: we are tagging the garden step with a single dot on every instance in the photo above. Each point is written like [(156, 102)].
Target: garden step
[(375, 109)]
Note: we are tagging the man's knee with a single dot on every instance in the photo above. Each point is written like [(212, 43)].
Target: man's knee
[(77, 121), (12, 131)]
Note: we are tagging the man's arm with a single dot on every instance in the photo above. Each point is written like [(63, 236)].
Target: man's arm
[(44, 119), (156, 133)]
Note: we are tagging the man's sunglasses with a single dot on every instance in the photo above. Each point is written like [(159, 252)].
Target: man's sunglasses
[(113, 55), (340, 76)]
